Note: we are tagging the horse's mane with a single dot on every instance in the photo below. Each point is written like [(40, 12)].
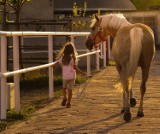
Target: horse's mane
[(93, 22), (111, 21)]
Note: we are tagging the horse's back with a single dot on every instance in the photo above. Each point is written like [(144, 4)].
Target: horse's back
[(148, 45)]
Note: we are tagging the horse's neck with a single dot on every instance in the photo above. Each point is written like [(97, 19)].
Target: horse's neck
[(113, 31), (113, 28)]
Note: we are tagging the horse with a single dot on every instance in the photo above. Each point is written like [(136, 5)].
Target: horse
[(133, 47)]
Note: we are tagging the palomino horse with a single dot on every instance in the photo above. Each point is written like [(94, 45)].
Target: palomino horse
[(133, 46)]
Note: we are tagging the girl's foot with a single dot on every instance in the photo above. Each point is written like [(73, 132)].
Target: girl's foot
[(68, 105), (64, 101)]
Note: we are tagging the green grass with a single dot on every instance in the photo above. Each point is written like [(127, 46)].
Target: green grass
[(39, 82), (12, 115)]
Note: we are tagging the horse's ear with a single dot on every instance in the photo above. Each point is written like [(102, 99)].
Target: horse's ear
[(97, 18)]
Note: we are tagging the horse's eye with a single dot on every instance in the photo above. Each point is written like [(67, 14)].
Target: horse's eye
[(93, 28)]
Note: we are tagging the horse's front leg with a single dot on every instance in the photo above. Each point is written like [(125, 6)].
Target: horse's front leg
[(127, 113)]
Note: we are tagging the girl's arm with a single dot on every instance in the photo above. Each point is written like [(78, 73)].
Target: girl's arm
[(56, 64)]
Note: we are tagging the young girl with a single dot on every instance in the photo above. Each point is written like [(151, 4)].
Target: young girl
[(67, 59)]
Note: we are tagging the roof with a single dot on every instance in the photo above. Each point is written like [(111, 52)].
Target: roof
[(93, 5)]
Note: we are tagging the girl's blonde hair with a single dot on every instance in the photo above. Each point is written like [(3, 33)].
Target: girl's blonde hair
[(67, 52)]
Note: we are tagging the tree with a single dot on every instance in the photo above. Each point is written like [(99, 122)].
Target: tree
[(144, 4), (16, 5), (78, 12)]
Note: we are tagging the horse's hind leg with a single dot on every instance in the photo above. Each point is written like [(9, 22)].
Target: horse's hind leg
[(145, 73), (119, 69), (133, 100), (127, 113), (123, 108)]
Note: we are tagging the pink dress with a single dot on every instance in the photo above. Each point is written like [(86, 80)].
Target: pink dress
[(68, 72)]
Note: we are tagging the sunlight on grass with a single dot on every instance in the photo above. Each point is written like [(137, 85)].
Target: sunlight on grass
[(112, 63)]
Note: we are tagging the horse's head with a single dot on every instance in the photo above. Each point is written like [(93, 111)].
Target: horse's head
[(97, 34)]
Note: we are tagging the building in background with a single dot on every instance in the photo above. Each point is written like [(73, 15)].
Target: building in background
[(93, 6), (57, 15)]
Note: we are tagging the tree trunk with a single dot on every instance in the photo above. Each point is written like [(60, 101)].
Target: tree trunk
[(18, 29)]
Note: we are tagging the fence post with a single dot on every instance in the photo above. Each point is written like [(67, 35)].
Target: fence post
[(72, 39), (97, 60), (109, 51), (3, 80), (88, 64), (50, 60), (16, 76), (104, 53)]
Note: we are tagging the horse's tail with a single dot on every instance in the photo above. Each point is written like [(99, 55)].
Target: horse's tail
[(127, 75)]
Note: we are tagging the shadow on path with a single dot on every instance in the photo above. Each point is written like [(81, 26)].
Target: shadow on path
[(91, 123), (110, 128), (118, 125)]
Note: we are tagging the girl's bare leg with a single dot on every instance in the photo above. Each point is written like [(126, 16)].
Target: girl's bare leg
[(64, 92), (69, 98), (64, 100), (69, 95)]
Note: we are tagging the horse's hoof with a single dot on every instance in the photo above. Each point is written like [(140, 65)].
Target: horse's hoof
[(133, 102), (127, 116), (122, 111), (140, 114)]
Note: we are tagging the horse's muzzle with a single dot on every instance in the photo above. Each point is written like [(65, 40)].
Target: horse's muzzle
[(89, 44)]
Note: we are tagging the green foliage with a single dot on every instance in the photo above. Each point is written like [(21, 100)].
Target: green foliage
[(12, 115), (34, 83), (77, 11), (144, 4), (3, 126), (78, 14), (38, 80), (14, 3), (28, 109), (112, 63)]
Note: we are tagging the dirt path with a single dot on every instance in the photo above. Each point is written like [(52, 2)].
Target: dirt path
[(99, 111)]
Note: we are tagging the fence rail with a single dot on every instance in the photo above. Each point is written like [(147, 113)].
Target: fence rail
[(25, 70), (16, 71), (26, 33)]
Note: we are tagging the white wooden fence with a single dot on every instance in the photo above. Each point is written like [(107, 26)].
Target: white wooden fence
[(16, 71)]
